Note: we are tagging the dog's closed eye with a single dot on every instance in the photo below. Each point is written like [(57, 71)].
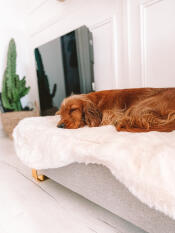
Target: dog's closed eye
[(73, 109)]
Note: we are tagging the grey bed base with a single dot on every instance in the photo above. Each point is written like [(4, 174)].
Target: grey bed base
[(97, 184)]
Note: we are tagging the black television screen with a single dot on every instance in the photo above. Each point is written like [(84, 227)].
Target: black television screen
[(64, 67)]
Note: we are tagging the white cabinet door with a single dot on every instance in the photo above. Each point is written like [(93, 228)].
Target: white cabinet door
[(150, 53)]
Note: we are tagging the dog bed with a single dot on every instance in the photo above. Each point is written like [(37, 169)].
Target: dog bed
[(143, 162)]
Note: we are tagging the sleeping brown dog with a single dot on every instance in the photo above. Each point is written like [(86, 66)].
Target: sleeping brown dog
[(133, 110)]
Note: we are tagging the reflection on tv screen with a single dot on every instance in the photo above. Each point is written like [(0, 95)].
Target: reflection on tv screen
[(64, 67)]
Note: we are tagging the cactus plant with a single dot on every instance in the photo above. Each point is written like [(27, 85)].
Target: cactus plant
[(13, 89)]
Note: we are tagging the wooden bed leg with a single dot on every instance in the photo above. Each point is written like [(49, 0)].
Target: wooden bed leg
[(36, 176)]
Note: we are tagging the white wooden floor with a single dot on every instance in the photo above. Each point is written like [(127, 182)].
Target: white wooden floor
[(30, 207)]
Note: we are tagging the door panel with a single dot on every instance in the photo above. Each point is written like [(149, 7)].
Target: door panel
[(151, 43)]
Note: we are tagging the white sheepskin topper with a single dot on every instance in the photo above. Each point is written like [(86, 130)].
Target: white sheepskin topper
[(143, 162)]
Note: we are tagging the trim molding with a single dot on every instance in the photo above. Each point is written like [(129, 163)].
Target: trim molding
[(32, 11), (111, 20), (143, 7), (101, 23), (149, 3)]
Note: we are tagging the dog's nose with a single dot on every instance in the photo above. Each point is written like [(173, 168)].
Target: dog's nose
[(60, 126)]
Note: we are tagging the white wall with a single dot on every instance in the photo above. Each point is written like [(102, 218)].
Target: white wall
[(134, 40), (149, 42), (12, 25)]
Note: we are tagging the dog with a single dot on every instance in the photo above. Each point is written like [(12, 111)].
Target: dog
[(132, 110)]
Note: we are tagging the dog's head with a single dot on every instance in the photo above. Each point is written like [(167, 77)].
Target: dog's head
[(77, 111)]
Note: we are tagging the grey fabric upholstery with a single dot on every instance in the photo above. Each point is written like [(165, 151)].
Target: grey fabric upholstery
[(96, 183)]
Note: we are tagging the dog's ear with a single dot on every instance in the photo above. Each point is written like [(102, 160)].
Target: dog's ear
[(92, 115), (58, 112)]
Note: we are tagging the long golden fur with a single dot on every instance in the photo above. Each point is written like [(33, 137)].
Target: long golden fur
[(133, 110)]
